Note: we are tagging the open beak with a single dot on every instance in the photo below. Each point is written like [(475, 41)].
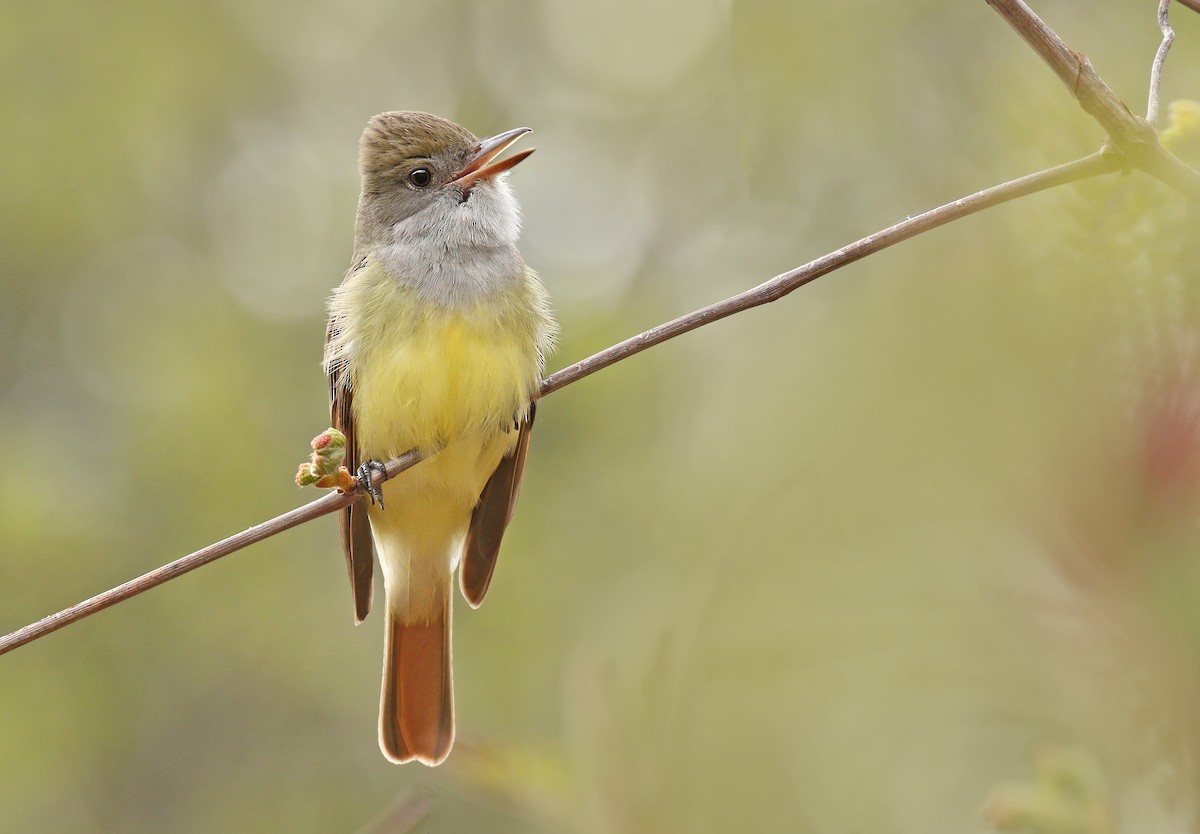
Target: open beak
[(477, 167)]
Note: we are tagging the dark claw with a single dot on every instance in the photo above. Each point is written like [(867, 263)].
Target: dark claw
[(367, 482)]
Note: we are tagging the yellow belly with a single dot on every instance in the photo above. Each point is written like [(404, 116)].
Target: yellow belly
[(449, 383), (426, 375), (440, 378)]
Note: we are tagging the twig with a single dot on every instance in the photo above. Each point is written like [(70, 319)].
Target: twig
[(1194, 5), (779, 286), (314, 509), (1170, 170), (1096, 97), (1168, 35), (1133, 137)]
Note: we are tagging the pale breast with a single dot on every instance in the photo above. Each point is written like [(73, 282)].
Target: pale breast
[(424, 374)]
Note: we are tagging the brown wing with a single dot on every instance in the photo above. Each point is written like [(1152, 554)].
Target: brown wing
[(491, 517), (356, 529)]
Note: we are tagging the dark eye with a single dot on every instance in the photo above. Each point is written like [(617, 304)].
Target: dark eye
[(420, 177)]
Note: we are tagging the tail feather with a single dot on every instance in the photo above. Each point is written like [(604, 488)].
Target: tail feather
[(416, 712)]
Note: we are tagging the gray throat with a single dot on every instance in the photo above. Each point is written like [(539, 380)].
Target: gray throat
[(449, 274)]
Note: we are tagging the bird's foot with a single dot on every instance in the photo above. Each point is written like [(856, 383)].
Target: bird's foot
[(366, 481)]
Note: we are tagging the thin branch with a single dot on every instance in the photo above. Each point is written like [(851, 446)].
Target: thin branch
[(1171, 171), (1194, 5), (1168, 35), (314, 509), (779, 286), (1096, 97), (1134, 138)]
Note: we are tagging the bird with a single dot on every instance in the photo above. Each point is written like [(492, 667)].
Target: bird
[(436, 342)]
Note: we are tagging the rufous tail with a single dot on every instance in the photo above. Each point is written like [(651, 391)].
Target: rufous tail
[(416, 710)]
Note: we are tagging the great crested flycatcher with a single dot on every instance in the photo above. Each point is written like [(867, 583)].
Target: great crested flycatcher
[(436, 342)]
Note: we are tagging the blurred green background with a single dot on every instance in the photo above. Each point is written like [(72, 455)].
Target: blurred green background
[(846, 563)]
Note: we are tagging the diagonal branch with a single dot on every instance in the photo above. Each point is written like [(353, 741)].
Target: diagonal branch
[(1133, 137), (779, 286), (1171, 171), (1075, 70), (772, 290), (314, 509)]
